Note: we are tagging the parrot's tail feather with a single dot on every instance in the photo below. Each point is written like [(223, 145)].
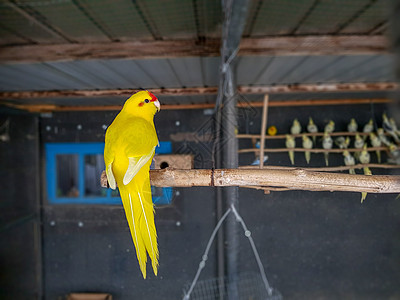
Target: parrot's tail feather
[(141, 262), (153, 255)]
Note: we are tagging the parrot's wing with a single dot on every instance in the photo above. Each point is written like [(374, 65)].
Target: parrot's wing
[(108, 160), (135, 164), (110, 177)]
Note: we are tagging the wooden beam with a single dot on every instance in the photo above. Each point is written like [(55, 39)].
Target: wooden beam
[(295, 179), (111, 50), (318, 88), (297, 45), (34, 108), (276, 89), (315, 45)]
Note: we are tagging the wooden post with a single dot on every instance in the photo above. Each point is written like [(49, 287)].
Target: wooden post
[(263, 129)]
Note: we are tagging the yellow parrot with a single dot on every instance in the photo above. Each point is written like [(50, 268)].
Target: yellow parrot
[(130, 144)]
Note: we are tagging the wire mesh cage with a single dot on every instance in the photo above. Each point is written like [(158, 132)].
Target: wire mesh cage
[(249, 286)]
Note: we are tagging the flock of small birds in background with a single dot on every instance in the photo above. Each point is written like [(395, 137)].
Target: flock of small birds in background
[(388, 135)]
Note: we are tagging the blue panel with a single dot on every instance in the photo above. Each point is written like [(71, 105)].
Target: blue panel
[(82, 149)]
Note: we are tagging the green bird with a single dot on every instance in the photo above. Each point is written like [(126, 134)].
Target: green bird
[(296, 127), (368, 128), (376, 142), (349, 161), (381, 134), (365, 159), (330, 127), (352, 126), (342, 142), (327, 144), (307, 144), (312, 128), (358, 144), (290, 144)]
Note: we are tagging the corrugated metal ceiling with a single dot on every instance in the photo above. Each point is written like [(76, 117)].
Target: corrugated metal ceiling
[(28, 22)]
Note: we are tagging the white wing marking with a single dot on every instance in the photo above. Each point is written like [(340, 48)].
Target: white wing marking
[(135, 165), (110, 177)]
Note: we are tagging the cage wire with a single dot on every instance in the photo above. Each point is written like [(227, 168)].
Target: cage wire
[(250, 285)]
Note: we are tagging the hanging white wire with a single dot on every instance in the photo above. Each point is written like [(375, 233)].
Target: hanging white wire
[(247, 233)]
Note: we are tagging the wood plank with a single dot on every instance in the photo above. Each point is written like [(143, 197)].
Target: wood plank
[(282, 103), (276, 89), (298, 45), (315, 45)]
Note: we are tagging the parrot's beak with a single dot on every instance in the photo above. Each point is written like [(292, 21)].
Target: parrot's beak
[(157, 104)]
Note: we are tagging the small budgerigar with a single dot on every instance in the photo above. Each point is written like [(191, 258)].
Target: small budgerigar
[(307, 144), (394, 154), (368, 128), (349, 161), (342, 142), (388, 127), (330, 127), (130, 144), (358, 144), (327, 144), (290, 144), (365, 158), (381, 134), (376, 142), (296, 127), (352, 126), (312, 128)]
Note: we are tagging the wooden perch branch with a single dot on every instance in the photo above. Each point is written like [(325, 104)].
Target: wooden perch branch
[(294, 179), (314, 150)]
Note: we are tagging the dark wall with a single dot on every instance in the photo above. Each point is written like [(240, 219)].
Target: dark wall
[(312, 244), (88, 248), (20, 269), (322, 245)]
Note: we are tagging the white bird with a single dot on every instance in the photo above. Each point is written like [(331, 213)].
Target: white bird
[(330, 127), (388, 127), (342, 142), (382, 136), (327, 144), (394, 154), (290, 144), (349, 161), (307, 144), (369, 127), (365, 158), (312, 128), (352, 126), (296, 127), (376, 142)]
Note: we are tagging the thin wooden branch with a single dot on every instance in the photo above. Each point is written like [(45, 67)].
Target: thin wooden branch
[(316, 150), (263, 129), (294, 179), (327, 169), (283, 136)]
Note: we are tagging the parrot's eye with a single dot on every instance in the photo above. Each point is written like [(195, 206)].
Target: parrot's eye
[(147, 100)]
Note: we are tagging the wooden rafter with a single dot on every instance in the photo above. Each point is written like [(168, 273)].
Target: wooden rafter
[(297, 45), (282, 103), (275, 89)]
